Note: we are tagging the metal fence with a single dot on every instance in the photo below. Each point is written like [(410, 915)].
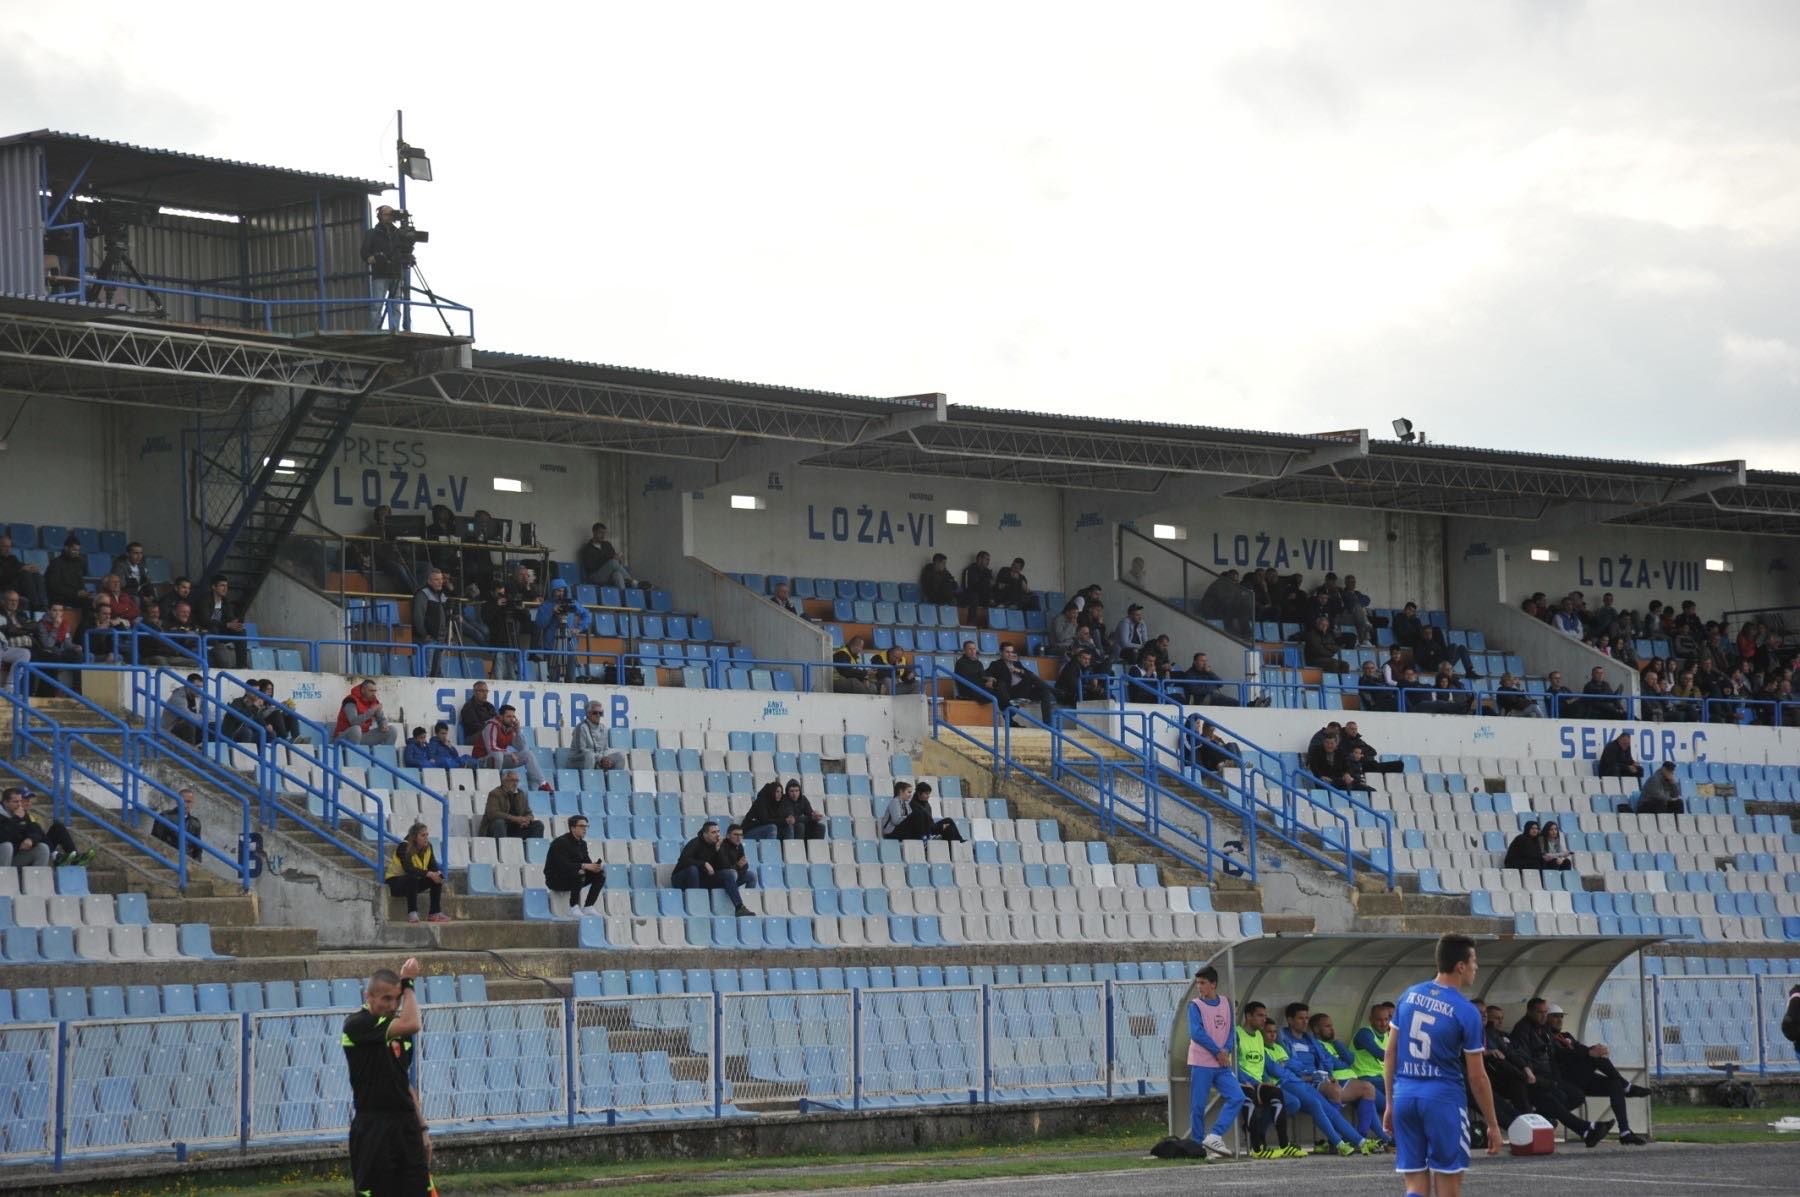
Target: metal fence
[(102, 1087), (1704, 1023)]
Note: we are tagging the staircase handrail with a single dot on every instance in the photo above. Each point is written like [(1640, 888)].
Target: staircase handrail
[(1148, 777), (1190, 601), (274, 777), (330, 758), (1293, 794)]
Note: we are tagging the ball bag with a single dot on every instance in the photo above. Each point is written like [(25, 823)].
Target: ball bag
[(1531, 1134)]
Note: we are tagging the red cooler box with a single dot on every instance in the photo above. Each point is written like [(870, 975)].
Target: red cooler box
[(1531, 1134)]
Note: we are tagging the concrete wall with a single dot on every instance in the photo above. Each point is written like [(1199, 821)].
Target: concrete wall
[(410, 472), (65, 463), (843, 524), (1544, 648), (1510, 739), (1638, 565), (740, 615)]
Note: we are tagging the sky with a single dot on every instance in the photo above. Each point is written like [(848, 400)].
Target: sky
[(1527, 224)]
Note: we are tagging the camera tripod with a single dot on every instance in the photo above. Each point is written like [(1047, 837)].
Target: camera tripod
[(116, 260), (400, 286)]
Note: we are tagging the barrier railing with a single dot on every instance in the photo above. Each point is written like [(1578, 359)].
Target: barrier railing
[(270, 310), (99, 1087), (1694, 1031)]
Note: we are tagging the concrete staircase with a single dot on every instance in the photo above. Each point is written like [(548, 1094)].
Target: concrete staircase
[(954, 755)]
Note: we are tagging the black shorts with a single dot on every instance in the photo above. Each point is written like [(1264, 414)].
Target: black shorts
[(387, 1156)]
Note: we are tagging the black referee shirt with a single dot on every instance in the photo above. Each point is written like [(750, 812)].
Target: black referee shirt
[(378, 1065)]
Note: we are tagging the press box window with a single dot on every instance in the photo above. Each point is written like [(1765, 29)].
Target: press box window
[(747, 503), (512, 486), (967, 519)]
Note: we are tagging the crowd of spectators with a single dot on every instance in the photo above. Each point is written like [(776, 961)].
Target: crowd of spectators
[(1744, 673), (53, 617)]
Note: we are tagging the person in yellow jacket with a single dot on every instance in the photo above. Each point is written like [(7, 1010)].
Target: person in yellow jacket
[(1369, 1056), (413, 869), (1262, 1095)]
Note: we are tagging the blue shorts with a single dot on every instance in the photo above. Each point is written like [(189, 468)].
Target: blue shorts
[(1431, 1130)]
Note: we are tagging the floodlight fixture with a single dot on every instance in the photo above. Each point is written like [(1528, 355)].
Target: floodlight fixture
[(1403, 428), (414, 164)]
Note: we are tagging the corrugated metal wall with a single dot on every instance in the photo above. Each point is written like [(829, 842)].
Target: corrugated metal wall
[(186, 252), (283, 249), (21, 221)]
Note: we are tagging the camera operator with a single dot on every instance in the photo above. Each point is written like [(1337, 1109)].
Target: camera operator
[(388, 251), (508, 626), (560, 623)]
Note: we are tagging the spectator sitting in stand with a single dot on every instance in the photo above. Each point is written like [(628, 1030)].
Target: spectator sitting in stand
[(761, 821), (699, 867), (125, 602), (1661, 794), (908, 816), (475, 713), (1354, 766), (1373, 692), (784, 598), (893, 672), (1077, 682), (21, 842), (1142, 681), (796, 816), (569, 869), (978, 582), (1526, 852), (1327, 761), (440, 753), (1132, 633), (1013, 589), (1512, 699), (1351, 737), (1407, 626), (600, 562), (1616, 759), (53, 644), (1061, 632), (65, 578), (1093, 617), (1602, 701), (16, 575), (937, 585), (100, 628), (413, 869), (1210, 750), (1319, 646), (1555, 851), (1431, 651), (590, 744), (163, 830), (1084, 639), (503, 745), (219, 616), (282, 722), (974, 679), (361, 719), (1558, 696), (1227, 600), (508, 812), (733, 856), (1206, 688), (1356, 609), (1567, 619), (1015, 685), (850, 677), (1451, 696)]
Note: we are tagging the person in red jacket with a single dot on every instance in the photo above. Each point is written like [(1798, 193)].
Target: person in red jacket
[(361, 720), (501, 746)]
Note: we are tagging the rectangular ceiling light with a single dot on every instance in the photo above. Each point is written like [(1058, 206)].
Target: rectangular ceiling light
[(1718, 565), (967, 519), (1544, 554), (1168, 531), (747, 503), (511, 486)]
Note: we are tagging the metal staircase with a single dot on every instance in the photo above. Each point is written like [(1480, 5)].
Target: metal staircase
[(255, 479)]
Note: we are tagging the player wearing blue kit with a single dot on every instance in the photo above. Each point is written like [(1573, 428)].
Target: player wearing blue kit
[(1434, 1048)]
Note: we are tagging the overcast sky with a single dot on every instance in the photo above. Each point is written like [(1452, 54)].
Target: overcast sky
[(1540, 225)]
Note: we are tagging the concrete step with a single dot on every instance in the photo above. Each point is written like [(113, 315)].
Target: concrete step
[(475, 934), (240, 911), (1432, 924), (264, 941), (486, 908), (1394, 905)]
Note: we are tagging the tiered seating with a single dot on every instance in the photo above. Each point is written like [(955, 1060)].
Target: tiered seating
[(1014, 881), (672, 647), (48, 916), (1295, 688), (1715, 874), (889, 615)]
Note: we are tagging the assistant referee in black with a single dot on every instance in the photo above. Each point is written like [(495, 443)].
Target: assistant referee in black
[(389, 1153)]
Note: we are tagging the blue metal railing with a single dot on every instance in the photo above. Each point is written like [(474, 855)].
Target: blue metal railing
[(1101, 798)]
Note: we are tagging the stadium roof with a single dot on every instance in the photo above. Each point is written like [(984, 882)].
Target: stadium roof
[(56, 350), (175, 180)]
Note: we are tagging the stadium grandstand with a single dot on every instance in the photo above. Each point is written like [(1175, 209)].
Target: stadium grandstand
[(290, 599)]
